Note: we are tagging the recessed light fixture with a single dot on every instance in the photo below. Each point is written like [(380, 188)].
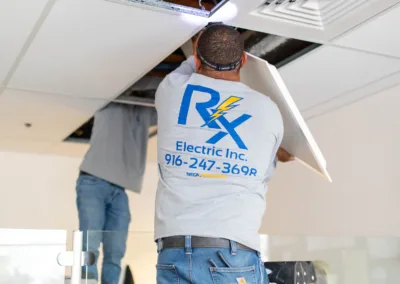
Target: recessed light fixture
[(202, 8)]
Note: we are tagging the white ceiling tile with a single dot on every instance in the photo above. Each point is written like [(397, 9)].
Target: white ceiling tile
[(26, 146), (17, 18), (353, 96), (69, 149), (329, 72), (97, 48), (52, 117), (380, 35)]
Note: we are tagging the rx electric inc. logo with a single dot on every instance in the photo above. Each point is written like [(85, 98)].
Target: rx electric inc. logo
[(213, 113)]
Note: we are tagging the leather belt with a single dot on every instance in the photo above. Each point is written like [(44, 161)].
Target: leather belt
[(200, 242)]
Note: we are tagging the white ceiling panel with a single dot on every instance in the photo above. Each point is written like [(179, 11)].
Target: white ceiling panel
[(17, 19), (329, 72), (380, 35), (353, 96), (52, 117), (70, 149), (97, 48), (27, 146)]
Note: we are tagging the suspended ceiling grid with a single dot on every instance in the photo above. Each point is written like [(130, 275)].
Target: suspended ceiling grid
[(61, 60)]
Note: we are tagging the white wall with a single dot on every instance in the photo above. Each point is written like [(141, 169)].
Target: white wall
[(38, 192), (361, 145)]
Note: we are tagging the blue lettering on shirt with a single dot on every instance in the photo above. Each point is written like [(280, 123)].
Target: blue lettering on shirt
[(212, 115)]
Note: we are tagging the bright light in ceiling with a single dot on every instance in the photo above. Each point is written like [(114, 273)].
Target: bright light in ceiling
[(225, 14), (179, 8)]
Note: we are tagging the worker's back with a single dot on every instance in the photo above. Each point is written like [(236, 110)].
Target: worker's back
[(118, 145), (217, 141)]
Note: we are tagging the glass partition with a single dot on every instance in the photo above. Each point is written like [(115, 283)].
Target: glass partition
[(330, 260), (138, 262), (345, 260), (41, 257), (30, 256)]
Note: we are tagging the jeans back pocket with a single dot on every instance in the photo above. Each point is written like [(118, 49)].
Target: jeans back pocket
[(234, 275), (167, 274)]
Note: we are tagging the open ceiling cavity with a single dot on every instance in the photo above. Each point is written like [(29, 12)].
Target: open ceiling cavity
[(277, 50), (202, 8)]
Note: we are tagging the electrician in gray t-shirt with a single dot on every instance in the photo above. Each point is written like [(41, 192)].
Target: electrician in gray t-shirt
[(217, 146), (116, 160)]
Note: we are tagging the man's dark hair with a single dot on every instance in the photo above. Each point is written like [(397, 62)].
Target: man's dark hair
[(221, 44)]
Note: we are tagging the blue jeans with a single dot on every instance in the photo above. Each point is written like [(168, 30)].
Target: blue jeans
[(210, 266), (103, 217)]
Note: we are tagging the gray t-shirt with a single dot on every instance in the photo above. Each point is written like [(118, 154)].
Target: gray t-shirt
[(118, 145), (217, 143)]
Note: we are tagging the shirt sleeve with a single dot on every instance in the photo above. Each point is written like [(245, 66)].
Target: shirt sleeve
[(188, 67)]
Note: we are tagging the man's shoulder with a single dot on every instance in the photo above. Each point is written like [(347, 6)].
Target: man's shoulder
[(175, 80)]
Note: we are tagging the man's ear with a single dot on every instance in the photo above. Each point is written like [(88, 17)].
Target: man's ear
[(244, 58), (197, 61)]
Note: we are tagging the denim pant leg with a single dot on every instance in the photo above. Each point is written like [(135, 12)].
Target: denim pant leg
[(115, 235), (91, 203)]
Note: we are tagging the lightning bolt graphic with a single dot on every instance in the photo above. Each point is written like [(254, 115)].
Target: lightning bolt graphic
[(225, 106)]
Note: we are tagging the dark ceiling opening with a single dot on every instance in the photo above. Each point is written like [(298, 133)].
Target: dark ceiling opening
[(277, 50)]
